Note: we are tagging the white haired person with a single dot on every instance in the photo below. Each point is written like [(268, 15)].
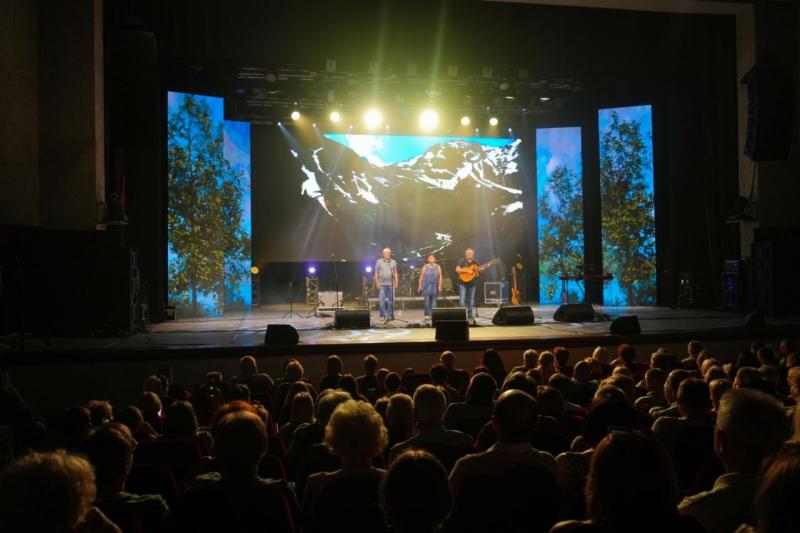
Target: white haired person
[(386, 282)]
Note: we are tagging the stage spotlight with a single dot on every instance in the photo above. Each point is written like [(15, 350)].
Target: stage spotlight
[(368, 270), (312, 270), (493, 121), (428, 119), (335, 116), (372, 118), (295, 115), (465, 120), (254, 270)]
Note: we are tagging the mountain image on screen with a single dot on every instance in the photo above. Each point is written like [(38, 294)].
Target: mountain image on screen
[(457, 192)]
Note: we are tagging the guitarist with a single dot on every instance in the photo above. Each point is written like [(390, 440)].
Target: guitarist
[(466, 290)]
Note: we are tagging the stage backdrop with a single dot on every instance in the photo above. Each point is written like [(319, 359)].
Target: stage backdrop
[(208, 216)]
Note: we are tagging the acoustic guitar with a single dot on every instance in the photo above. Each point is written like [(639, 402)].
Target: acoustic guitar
[(471, 272)]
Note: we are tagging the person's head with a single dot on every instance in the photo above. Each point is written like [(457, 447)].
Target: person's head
[(132, 418), (100, 411), (247, 366), (694, 348), (622, 371), (654, 380), (717, 388), (448, 359), (547, 361), (380, 376), (787, 346), (327, 402), (793, 380), (562, 356), (694, 398), (582, 372), (600, 354), (779, 484), (400, 411), (431, 259), (706, 364), (294, 370), (766, 356), (110, 450), (469, 254), (550, 401), (180, 420), (751, 378), (751, 425), (333, 365), (714, 372), (514, 417), (607, 392), (387, 253), (519, 381), (631, 482), (429, 405), (75, 423), (438, 374), (370, 365), (530, 358), (415, 494), (674, 379), (663, 360), (491, 360), (560, 382), (625, 384), (45, 492), (154, 384), (240, 440), (392, 382), (149, 403), (302, 409), (702, 357), (481, 389), (627, 353), (355, 433), (349, 384)]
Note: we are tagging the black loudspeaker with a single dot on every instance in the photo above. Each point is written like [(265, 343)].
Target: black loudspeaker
[(574, 313), (281, 335), (755, 320), (626, 325), (769, 113), (351, 319), (448, 313), (452, 330), (513, 315)]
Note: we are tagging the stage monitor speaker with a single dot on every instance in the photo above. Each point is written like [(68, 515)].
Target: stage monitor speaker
[(281, 335), (513, 315), (448, 313), (574, 313), (755, 320), (626, 325), (452, 330), (351, 319), (769, 113)]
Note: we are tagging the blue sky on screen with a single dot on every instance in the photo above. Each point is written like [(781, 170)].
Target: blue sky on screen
[(642, 114), (389, 149), (556, 147)]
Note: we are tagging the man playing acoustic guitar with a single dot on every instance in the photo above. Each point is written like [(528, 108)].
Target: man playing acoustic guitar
[(468, 270)]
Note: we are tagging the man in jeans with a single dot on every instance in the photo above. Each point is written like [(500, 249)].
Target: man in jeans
[(386, 283), (466, 290)]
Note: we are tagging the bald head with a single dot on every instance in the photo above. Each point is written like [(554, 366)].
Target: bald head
[(515, 414)]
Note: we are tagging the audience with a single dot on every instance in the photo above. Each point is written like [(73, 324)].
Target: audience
[(416, 493), (778, 485), (562, 356), (301, 412), (545, 368), (333, 372), (693, 350), (438, 374), (694, 403), (250, 376), (368, 381), (530, 359), (494, 364), (399, 418), (654, 380), (470, 415)]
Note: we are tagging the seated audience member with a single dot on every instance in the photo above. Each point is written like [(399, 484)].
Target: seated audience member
[(694, 402), (392, 383), (399, 419), (747, 359), (355, 434), (150, 406), (750, 427), (515, 381), (307, 435), (530, 359), (751, 378), (563, 384), (380, 376), (562, 356), (155, 384), (664, 360), (415, 494), (333, 372), (74, 426), (293, 373), (715, 372), (132, 418), (258, 382), (778, 485), (631, 486), (793, 384), (348, 384), (100, 411), (545, 368), (491, 360), (180, 422), (624, 382), (583, 388), (50, 492), (610, 411), (368, 381), (789, 353), (110, 450), (301, 412), (674, 380), (654, 380), (717, 389), (458, 378), (294, 389), (438, 374), (603, 358), (693, 350), (626, 357), (766, 356), (515, 414), (429, 407), (468, 416)]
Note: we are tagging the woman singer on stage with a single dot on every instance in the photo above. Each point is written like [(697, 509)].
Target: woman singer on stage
[(430, 284)]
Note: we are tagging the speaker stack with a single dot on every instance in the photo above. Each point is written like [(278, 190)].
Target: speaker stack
[(450, 323)]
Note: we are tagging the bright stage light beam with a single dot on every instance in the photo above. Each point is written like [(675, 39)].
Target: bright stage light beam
[(335, 116), (312, 270), (428, 120), (368, 270), (465, 120), (493, 121), (295, 115), (373, 118), (254, 270)]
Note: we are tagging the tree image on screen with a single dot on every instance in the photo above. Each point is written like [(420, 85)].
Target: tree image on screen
[(209, 245), (560, 202), (628, 209)]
